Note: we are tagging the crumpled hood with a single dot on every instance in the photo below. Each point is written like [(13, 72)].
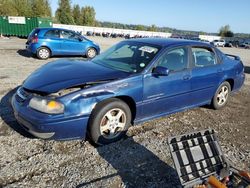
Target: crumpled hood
[(63, 74)]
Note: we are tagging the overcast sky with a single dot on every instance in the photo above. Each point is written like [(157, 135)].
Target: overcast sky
[(197, 15)]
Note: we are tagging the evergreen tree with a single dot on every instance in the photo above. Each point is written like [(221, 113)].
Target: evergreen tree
[(88, 15), (47, 8), (41, 8), (27, 8), (77, 15), (7, 8), (63, 13), (23, 7), (37, 8)]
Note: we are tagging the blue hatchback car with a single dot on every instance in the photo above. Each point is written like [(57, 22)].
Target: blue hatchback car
[(134, 81), (47, 42)]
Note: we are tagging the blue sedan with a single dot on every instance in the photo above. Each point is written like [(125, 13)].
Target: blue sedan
[(134, 81), (47, 42)]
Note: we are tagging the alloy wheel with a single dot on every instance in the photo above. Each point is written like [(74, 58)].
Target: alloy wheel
[(222, 95), (113, 123)]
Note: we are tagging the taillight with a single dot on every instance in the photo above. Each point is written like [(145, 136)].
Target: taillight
[(34, 39)]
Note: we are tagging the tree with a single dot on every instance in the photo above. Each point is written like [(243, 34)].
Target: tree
[(63, 13), (140, 27), (37, 8), (7, 8), (202, 33), (41, 8), (23, 7), (47, 8), (98, 24), (76, 12), (153, 28), (225, 31), (88, 15)]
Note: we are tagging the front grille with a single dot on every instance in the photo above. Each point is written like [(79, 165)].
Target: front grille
[(22, 95)]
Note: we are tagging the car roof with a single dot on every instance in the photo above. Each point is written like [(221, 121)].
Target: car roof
[(166, 42), (53, 28)]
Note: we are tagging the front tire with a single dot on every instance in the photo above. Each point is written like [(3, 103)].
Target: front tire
[(109, 121), (221, 96), (43, 53), (91, 53)]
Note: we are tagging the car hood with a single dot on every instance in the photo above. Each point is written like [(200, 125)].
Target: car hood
[(62, 74)]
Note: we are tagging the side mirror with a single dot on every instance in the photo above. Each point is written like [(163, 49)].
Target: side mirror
[(161, 71), (80, 39)]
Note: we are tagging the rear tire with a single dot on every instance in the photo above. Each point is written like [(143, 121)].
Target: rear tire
[(221, 96), (43, 53), (109, 121), (91, 53)]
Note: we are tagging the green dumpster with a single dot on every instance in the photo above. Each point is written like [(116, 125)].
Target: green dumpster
[(21, 26)]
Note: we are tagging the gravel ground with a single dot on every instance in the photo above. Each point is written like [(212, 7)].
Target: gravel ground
[(140, 160)]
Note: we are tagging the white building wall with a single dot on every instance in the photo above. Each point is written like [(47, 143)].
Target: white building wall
[(85, 29)]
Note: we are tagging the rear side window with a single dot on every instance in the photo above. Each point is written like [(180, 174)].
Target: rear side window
[(52, 34), (175, 60), (203, 57)]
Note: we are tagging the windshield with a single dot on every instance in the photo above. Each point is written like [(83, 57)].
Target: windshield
[(128, 56)]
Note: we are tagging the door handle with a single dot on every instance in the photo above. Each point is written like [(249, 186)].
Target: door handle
[(186, 77)]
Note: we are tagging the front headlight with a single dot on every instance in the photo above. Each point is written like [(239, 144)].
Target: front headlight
[(46, 106)]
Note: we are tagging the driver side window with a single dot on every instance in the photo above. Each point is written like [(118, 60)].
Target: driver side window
[(175, 60), (69, 35)]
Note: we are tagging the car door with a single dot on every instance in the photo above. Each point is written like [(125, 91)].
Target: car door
[(165, 94), (53, 41), (72, 43), (206, 74)]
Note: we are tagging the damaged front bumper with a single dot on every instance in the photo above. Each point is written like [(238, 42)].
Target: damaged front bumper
[(45, 126), (29, 127)]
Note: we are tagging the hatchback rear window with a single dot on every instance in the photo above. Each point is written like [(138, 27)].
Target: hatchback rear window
[(34, 32)]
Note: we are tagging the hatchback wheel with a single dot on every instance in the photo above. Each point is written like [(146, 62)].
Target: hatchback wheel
[(109, 121), (221, 96), (43, 53), (91, 53)]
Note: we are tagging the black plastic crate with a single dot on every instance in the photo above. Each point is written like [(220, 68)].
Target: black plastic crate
[(196, 156)]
